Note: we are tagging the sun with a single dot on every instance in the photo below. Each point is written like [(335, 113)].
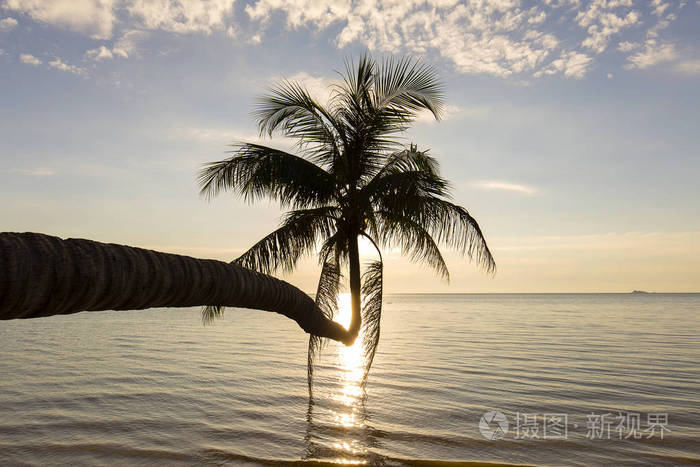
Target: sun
[(344, 314)]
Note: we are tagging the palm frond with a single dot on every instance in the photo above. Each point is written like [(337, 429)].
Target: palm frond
[(389, 190), (415, 241), (447, 222), (297, 236), (456, 227), (372, 289), (408, 160), (290, 109), (327, 301), (257, 171), (405, 86), (358, 80), (211, 313)]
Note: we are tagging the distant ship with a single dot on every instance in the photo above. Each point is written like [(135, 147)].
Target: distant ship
[(640, 291)]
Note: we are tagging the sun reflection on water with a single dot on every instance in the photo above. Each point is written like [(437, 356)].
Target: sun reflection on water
[(350, 395)]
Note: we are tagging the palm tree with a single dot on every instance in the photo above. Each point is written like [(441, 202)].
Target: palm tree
[(352, 177), (42, 275)]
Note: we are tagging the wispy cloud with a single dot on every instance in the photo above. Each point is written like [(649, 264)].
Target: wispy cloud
[(320, 87), (505, 186), (182, 16), (99, 18), (602, 22), (571, 64), (501, 38), (676, 241), (93, 17), (627, 46), (62, 66), (226, 136), (505, 38), (690, 67), (653, 54), (451, 112), (7, 23), (29, 59), (40, 172), (100, 53)]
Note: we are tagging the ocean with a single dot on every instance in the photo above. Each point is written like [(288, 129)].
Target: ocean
[(461, 379)]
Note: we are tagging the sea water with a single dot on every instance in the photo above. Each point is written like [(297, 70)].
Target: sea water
[(594, 379)]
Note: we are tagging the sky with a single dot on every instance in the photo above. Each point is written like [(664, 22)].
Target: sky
[(571, 131)]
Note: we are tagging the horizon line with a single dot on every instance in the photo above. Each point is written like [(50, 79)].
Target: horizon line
[(534, 293)]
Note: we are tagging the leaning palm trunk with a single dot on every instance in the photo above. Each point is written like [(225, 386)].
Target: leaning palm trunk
[(41, 275)]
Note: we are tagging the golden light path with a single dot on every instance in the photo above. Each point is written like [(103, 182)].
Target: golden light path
[(350, 362)]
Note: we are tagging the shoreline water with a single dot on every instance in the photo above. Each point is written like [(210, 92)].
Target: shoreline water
[(83, 388)]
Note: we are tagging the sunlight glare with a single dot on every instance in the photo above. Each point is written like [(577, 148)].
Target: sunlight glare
[(351, 362)]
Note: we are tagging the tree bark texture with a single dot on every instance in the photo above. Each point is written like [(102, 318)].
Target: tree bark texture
[(42, 275)]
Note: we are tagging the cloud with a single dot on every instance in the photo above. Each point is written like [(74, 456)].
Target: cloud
[(181, 16), (659, 7), (320, 87), (690, 67), (503, 38), (29, 59), (93, 17), (301, 12), (571, 64), (226, 136), (61, 65), (451, 112), (627, 46), (602, 24), (654, 51), (7, 23), (34, 172), (98, 18), (660, 25), (653, 54), (128, 42), (217, 135), (496, 37), (505, 186), (100, 53), (255, 39), (613, 241), (124, 47)]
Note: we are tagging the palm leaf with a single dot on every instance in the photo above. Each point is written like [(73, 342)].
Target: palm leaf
[(372, 288), (415, 241), (211, 313), (408, 160), (327, 301), (405, 86), (297, 236), (453, 225), (390, 190), (447, 222), (257, 171), (291, 109)]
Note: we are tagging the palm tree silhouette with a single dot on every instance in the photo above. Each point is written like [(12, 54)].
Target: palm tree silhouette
[(353, 177)]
